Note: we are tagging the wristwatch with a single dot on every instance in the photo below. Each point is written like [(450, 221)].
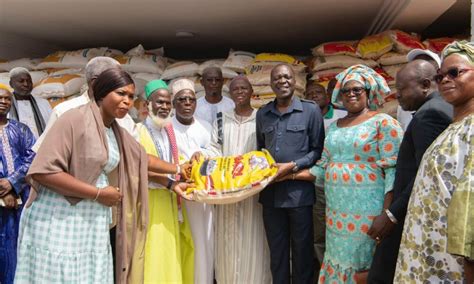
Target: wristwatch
[(170, 183), (295, 167)]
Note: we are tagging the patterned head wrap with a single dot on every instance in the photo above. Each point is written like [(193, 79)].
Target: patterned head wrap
[(371, 81), (5, 87), (463, 48), (153, 86)]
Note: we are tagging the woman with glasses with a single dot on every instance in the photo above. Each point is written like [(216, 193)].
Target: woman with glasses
[(357, 170), (438, 237)]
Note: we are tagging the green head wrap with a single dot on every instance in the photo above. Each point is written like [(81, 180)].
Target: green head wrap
[(153, 86), (463, 48)]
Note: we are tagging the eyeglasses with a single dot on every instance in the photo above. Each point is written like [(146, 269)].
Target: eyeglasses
[(452, 73), (356, 91), (186, 99)]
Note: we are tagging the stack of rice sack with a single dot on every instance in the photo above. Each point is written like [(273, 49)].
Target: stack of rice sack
[(143, 65), (57, 88), (331, 58), (239, 61), (181, 69), (396, 58), (27, 63), (259, 72), (393, 60), (65, 69), (385, 53), (60, 75), (438, 44)]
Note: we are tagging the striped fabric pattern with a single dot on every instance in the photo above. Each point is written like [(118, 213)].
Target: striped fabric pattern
[(241, 253)]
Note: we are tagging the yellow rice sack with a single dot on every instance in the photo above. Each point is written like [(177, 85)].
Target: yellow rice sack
[(374, 46), (276, 57), (224, 180)]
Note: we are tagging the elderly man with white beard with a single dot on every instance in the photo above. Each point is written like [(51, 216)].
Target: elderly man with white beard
[(169, 252)]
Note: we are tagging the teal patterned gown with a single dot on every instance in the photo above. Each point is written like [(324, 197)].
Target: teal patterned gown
[(357, 169)]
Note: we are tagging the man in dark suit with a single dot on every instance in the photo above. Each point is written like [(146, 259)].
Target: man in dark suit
[(292, 130), (418, 92)]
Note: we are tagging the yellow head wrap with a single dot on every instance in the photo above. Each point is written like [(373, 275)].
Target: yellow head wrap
[(5, 87)]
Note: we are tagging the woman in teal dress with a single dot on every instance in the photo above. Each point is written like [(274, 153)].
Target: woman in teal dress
[(357, 170)]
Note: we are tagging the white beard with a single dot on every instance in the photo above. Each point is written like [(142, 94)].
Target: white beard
[(158, 121)]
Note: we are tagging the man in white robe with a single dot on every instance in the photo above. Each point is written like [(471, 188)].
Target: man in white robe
[(194, 135), (242, 253)]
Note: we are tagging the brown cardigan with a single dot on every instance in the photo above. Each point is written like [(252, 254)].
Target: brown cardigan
[(76, 144)]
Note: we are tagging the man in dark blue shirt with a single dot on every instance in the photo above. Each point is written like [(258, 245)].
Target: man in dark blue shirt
[(293, 131)]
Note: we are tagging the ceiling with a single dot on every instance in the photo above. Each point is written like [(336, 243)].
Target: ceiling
[(35, 28)]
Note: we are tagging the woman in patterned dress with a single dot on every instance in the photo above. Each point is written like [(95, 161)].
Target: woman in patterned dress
[(357, 170), (77, 176), (438, 237)]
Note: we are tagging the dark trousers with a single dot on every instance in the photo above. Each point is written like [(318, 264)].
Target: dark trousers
[(384, 262), (319, 225), (290, 225)]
